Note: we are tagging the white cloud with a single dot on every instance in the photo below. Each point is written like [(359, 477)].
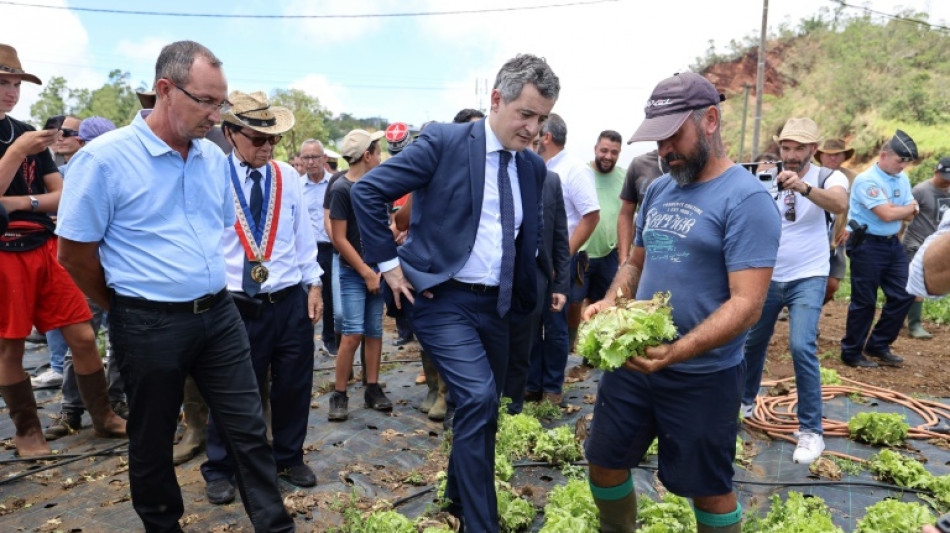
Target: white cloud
[(331, 95)]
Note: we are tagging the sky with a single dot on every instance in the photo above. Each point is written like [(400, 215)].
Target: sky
[(608, 54)]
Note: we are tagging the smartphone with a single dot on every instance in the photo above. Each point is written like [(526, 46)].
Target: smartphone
[(54, 122)]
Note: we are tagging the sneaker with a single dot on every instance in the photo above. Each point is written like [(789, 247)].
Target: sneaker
[(48, 379), (120, 408), (376, 398), (299, 475), (338, 401), (67, 423), (330, 347), (810, 446), (402, 341), (747, 410)]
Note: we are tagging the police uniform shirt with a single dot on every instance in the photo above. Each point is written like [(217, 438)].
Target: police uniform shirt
[(875, 187)]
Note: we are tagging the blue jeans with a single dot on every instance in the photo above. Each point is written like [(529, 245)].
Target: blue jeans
[(57, 349), (803, 298), (362, 310), (549, 353), (337, 300)]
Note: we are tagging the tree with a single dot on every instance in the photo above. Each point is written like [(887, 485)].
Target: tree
[(115, 100), (310, 117), (52, 100)]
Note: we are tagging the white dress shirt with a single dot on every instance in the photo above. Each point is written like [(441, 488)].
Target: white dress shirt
[(484, 264), (294, 257), (577, 182), (313, 195)]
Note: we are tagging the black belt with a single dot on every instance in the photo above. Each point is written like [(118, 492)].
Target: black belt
[(276, 296), (198, 306), (880, 238), (324, 245), (474, 287)]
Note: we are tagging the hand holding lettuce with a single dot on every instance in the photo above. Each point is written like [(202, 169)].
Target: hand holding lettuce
[(626, 330)]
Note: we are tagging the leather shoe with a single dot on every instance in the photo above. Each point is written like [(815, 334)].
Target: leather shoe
[(532, 396), (220, 491), (402, 341), (885, 357), (300, 475), (860, 362)]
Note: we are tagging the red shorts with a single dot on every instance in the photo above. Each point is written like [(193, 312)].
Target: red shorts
[(36, 290)]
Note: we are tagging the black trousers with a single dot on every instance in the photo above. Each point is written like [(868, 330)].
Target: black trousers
[(155, 350), (521, 339), (325, 259), (282, 342)]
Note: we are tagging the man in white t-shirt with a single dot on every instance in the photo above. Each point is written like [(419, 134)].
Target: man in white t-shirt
[(549, 355), (804, 193)]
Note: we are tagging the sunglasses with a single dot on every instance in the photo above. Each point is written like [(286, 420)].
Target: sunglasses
[(259, 141), (69, 133)]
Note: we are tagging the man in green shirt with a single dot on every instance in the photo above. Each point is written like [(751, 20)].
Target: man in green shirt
[(601, 248)]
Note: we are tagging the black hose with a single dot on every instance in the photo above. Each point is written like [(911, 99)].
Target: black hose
[(58, 464)]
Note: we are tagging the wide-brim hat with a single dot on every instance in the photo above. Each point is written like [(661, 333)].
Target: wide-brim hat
[(672, 102), (801, 130), (10, 65), (146, 98), (834, 146), (253, 111)]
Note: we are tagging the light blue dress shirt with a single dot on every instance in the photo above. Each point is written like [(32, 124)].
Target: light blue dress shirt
[(872, 188), (158, 219), (313, 195)]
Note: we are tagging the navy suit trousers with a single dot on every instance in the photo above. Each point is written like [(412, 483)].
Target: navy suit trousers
[(282, 342), (468, 343)]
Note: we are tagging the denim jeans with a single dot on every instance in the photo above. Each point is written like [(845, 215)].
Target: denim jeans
[(803, 298), (337, 299), (362, 310), (549, 353), (57, 349)]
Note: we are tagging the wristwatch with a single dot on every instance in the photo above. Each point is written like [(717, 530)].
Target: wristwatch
[(807, 190), (34, 203)]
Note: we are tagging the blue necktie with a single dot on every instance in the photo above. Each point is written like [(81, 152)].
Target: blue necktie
[(257, 197), (507, 201)]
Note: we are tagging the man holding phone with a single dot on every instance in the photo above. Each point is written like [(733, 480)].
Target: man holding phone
[(40, 291)]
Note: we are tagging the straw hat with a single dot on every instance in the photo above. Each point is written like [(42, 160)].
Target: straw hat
[(802, 130), (835, 146), (10, 65), (253, 111)]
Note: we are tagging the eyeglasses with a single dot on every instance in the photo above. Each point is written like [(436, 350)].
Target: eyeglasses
[(69, 133), (221, 107), (259, 141), (312, 157), (790, 202)]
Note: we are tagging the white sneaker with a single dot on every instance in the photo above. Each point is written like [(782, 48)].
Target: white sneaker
[(810, 446), (747, 410), (50, 378)]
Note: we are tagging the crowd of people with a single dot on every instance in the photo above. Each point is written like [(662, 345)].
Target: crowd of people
[(216, 266)]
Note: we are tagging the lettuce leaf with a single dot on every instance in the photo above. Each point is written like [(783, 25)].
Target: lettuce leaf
[(626, 330), (888, 429), (892, 516)]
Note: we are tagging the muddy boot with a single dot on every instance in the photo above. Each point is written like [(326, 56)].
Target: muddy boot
[(29, 438), (618, 516), (94, 392), (440, 408), (432, 381), (916, 329), (196, 424)]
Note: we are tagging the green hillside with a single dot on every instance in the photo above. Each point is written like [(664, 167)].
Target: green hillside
[(858, 77)]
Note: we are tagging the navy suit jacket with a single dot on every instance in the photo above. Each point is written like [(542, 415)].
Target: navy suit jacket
[(445, 170)]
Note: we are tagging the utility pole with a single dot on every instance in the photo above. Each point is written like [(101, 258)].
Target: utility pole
[(745, 113), (760, 77)]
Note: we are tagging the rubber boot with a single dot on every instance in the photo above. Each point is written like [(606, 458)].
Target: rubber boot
[(196, 424), (94, 392), (440, 408), (618, 516), (29, 438), (432, 381), (914, 326)]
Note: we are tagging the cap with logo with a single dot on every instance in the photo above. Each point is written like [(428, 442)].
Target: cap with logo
[(357, 142), (671, 103), (943, 166), (903, 146), (398, 137)]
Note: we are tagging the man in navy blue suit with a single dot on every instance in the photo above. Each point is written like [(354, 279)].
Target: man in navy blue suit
[(471, 253)]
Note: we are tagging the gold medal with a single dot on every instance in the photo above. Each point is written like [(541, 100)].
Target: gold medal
[(259, 273)]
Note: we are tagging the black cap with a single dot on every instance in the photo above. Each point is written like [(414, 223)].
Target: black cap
[(670, 105), (902, 145), (943, 166)]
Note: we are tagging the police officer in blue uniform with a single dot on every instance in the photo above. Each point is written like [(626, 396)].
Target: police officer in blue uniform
[(881, 201)]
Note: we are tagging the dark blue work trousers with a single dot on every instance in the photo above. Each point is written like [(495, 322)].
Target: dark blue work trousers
[(282, 342), (155, 351), (468, 342), (876, 263)]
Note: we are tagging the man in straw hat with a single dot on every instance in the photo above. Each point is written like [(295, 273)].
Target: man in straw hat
[(141, 226), (271, 253), (36, 289), (832, 153), (881, 201), (708, 233), (803, 193)]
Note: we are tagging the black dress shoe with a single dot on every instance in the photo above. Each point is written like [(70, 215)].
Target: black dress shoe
[(532, 396), (860, 362), (220, 491), (375, 398), (885, 357), (300, 475), (402, 341)]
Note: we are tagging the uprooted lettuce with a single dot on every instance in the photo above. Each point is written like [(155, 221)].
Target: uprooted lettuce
[(626, 330)]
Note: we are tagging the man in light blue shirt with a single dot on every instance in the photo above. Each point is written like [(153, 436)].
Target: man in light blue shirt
[(315, 183), (140, 232), (881, 200)]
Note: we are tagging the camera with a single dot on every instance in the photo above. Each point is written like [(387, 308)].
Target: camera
[(766, 171)]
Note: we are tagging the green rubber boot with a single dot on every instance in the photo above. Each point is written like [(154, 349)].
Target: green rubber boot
[(915, 328)]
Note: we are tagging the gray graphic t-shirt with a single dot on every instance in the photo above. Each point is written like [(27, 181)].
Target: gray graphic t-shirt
[(694, 236)]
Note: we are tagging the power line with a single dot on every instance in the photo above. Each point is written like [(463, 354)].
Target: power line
[(894, 17), (335, 16)]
